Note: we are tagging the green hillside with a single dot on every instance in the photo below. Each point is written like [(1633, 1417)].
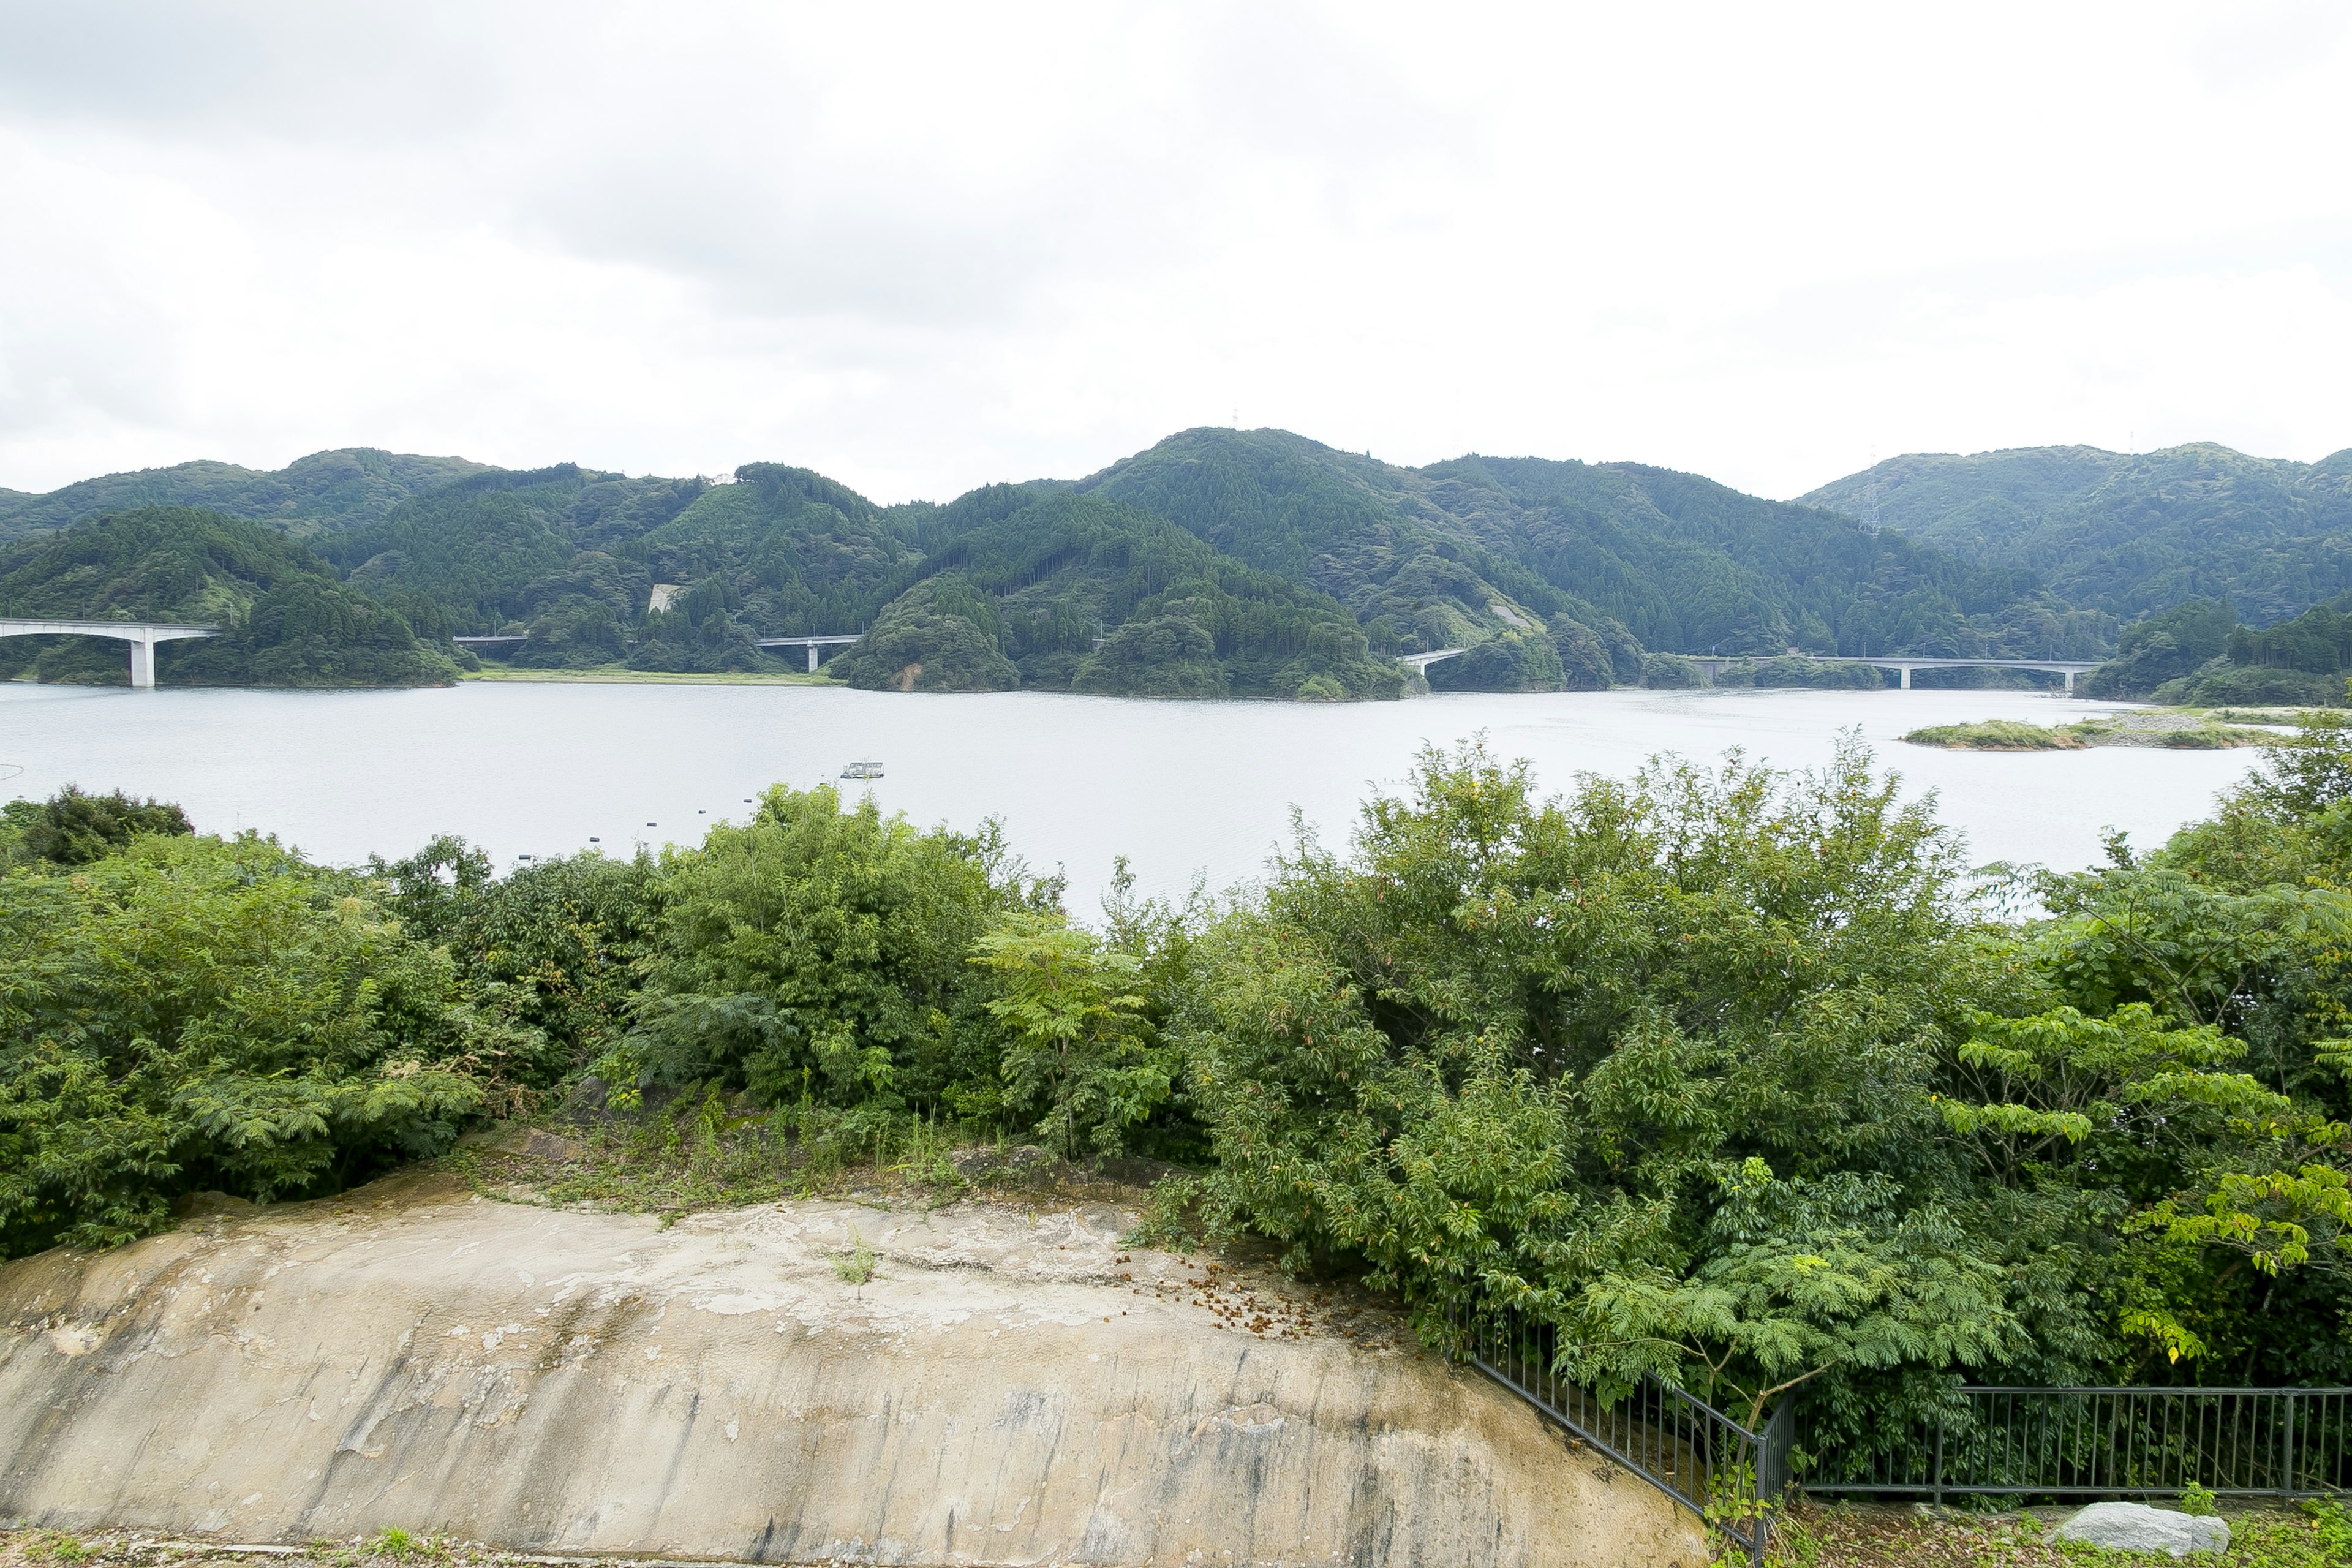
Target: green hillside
[(572, 558), (1216, 562), (1464, 550), (2124, 533), (288, 621), (1037, 587), (324, 491)]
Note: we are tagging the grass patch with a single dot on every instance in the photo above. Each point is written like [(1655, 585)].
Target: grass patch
[(621, 675), (2314, 1536), (2169, 732), (706, 1151), (1999, 735)]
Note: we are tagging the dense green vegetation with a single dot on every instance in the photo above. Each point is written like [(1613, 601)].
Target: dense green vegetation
[(1036, 586), (2197, 652), (1634, 557), (1729, 1073), (1220, 562), (287, 621), (2128, 534), (1230, 562), (324, 491)]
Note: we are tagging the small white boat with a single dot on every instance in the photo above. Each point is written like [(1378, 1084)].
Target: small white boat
[(861, 771)]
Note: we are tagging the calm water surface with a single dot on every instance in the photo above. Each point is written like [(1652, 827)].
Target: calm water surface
[(1178, 787)]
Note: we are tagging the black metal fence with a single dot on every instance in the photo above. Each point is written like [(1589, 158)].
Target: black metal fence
[(2109, 1442), (1696, 1455), (2043, 1442)]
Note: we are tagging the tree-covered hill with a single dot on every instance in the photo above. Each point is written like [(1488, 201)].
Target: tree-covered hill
[(572, 558), (2126, 533), (288, 620), (325, 491), (1464, 550), (503, 548), (1036, 585)]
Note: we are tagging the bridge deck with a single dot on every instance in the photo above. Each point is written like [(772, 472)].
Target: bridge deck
[(142, 637)]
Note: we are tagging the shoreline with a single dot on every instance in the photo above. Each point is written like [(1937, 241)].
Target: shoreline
[(614, 675)]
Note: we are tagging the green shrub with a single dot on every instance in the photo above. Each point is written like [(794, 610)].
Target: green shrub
[(71, 828), (816, 954), (1670, 672), (199, 1012)]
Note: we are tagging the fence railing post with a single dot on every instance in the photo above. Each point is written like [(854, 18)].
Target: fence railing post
[(1936, 1477), (2287, 1437)]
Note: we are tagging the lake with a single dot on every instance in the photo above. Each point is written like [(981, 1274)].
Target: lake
[(1177, 787)]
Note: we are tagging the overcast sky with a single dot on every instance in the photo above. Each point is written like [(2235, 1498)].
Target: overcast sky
[(922, 249)]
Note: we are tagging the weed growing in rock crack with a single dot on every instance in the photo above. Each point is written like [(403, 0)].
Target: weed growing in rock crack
[(57, 1546), (855, 1266), (702, 1151), (396, 1544)]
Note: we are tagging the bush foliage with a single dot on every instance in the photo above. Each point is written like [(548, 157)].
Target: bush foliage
[(1737, 1077)]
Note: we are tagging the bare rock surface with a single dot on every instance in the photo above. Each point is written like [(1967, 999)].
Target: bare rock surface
[(1012, 1386), (2136, 1527)]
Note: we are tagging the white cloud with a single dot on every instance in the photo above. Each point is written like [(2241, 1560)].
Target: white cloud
[(922, 247)]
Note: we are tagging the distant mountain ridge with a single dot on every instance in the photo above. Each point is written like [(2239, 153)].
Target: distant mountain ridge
[(326, 490), (2128, 534), (1216, 561)]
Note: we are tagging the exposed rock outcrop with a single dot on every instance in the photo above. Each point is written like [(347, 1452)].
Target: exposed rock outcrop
[(1008, 1388)]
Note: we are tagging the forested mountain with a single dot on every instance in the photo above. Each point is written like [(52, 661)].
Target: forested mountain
[(1218, 562), (323, 490), (1036, 585), (2128, 533), (1461, 551), (288, 621)]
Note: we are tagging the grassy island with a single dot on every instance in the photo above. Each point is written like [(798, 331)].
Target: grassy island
[(1998, 735), (2168, 731)]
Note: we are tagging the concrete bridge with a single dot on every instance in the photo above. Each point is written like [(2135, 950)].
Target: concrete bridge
[(1421, 661), (811, 644), (1711, 665), (142, 637)]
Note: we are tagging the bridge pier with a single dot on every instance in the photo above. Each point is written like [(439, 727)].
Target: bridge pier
[(812, 658), (143, 664), (1907, 677)]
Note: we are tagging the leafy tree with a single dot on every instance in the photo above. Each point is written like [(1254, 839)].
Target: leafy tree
[(71, 828), (1523, 1053), (192, 1013), (819, 952), (554, 945), (1077, 1044)]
